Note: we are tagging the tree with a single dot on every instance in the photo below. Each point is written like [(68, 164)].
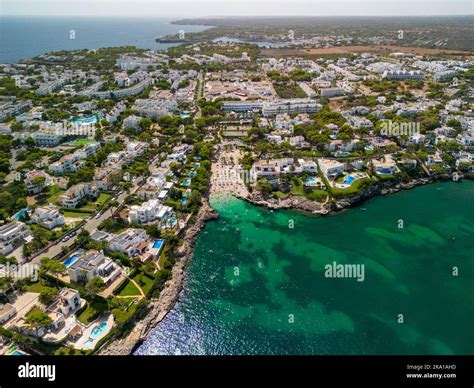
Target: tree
[(47, 294), (144, 124), (16, 126), (170, 236), (195, 198), (95, 285), (36, 318), (5, 284), (83, 238), (52, 266)]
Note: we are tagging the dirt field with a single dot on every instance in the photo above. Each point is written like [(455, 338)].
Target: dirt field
[(359, 49)]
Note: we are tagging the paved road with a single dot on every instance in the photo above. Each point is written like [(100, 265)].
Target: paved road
[(91, 224), (199, 96)]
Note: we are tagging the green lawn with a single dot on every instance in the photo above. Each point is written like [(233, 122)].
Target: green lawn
[(102, 198), (73, 214), (317, 195), (129, 290), (297, 187), (279, 194), (81, 142), (93, 206), (93, 310), (144, 282), (35, 287), (54, 197)]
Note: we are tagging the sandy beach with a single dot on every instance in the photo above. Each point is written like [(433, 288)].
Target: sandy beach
[(227, 174)]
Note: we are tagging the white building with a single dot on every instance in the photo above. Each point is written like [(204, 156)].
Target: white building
[(73, 196), (443, 76), (385, 165), (12, 235), (69, 300), (47, 138), (331, 168), (290, 106), (35, 181), (131, 121), (7, 311), (132, 242), (93, 264), (149, 211), (401, 75), (48, 217), (331, 92)]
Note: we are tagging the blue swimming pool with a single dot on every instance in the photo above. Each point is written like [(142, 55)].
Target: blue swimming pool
[(186, 182), (98, 330), (71, 261), (310, 181), (192, 174), (349, 180), (158, 244), (184, 202), (86, 120)]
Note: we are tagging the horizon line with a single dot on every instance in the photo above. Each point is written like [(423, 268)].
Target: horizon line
[(181, 17)]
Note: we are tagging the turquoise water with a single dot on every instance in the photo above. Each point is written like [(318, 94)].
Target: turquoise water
[(157, 244), (99, 330), (71, 261), (257, 286), (87, 120)]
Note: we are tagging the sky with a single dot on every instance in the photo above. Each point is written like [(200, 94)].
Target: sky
[(200, 8)]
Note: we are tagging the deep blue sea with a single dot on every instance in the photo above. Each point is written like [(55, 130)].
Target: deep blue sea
[(26, 37)]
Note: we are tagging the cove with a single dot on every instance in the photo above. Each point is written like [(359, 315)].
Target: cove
[(257, 286)]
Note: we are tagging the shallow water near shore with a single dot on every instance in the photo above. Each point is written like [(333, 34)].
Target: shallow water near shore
[(256, 283)]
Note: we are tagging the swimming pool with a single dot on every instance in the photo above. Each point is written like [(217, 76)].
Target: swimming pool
[(71, 261), (20, 215), (349, 180), (89, 342), (86, 120), (17, 353), (98, 330), (192, 174), (184, 201), (310, 181), (186, 182), (158, 244)]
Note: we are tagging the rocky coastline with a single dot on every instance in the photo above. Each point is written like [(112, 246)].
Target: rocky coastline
[(159, 308), (309, 207)]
